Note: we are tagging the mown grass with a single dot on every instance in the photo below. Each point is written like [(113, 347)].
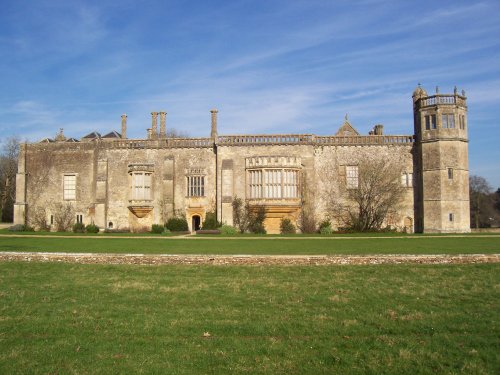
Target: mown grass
[(258, 246), (104, 319)]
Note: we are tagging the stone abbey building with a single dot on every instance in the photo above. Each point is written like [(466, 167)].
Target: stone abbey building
[(121, 183)]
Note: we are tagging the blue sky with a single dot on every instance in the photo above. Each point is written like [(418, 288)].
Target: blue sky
[(268, 66)]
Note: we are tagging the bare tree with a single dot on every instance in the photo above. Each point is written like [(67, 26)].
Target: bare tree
[(39, 220), (8, 169), (64, 216), (376, 193), (481, 205), (307, 215), (240, 215), (174, 133)]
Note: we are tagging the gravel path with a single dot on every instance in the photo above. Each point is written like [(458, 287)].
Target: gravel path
[(94, 258)]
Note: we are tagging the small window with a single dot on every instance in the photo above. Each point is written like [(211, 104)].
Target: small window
[(51, 219), (407, 179), (110, 225), (430, 122), (351, 172), (450, 173), (461, 119), (69, 187), (79, 219), (448, 121), (451, 217)]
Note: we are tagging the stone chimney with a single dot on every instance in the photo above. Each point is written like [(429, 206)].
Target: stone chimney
[(60, 136), (163, 124), (213, 133), (154, 125), (378, 129), (124, 126)]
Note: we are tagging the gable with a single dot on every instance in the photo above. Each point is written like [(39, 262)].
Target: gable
[(346, 130)]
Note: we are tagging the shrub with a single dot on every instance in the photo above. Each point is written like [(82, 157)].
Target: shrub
[(228, 230), (92, 228), (21, 228), (325, 227), (287, 227), (211, 221), (256, 220), (157, 228), (324, 224), (326, 230), (307, 222), (177, 224), (78, 228), (259, 229)]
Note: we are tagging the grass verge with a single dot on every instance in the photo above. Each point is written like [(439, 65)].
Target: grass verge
[(258, 246), (102, 319)]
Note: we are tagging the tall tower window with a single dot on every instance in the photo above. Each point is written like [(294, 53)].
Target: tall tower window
[(430, 122), (461, 119), (448, 121), (69, 187)]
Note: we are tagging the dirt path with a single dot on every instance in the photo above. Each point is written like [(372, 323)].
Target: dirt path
[(93, 258)]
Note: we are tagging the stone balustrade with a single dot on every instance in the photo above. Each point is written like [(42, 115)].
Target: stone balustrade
[(309, 139), (442, 99), (238, 140)]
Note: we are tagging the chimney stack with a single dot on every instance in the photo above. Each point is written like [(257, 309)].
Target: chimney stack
[(163, 124), (213, 133), (378, 129), (154, 125), (124, 126)]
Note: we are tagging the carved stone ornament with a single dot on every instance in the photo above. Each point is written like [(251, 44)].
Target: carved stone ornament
[(140, 211)]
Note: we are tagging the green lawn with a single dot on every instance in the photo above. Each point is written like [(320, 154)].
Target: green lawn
[(105, 319), (258, 245)]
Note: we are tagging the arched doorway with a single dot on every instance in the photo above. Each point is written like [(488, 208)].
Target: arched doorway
[(195, 222)]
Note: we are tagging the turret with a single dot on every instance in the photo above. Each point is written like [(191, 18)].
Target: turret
[(442, 194)]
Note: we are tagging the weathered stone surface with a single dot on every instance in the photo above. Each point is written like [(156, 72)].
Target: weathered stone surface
[(123, 183), (250, 260)]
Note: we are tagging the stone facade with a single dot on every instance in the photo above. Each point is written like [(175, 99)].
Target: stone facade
[(122, 183)]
